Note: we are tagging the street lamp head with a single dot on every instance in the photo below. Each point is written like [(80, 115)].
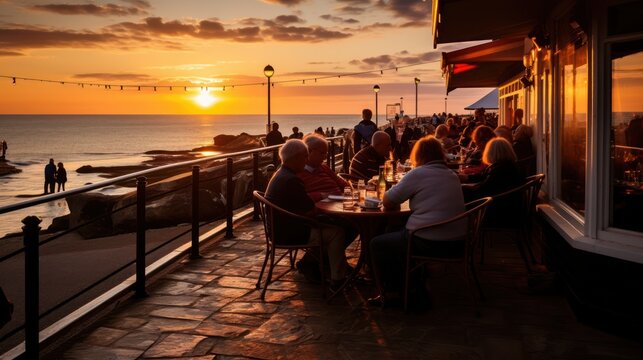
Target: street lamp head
[(376, 88), (417, 81), (268, 71)]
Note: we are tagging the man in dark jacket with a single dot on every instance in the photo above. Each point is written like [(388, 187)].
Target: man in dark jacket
[(364, 131), (274, 137)]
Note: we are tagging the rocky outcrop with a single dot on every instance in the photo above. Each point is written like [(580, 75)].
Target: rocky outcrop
[(91, 206), (6, 168)]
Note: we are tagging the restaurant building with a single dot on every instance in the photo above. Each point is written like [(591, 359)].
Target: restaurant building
[(576, 69)]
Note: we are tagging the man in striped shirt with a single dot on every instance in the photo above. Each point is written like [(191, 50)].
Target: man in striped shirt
[(319, 179), (366, 163)]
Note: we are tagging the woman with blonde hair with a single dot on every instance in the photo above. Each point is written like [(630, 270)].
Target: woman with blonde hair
[(442, 135), (501, 175), (434, 195)]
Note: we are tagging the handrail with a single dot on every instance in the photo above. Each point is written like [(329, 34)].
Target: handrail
[(104, 183)]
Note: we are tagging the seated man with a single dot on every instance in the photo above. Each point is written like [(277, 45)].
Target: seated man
[(366, 163), (319, 179), (287, 191), (274, 137)]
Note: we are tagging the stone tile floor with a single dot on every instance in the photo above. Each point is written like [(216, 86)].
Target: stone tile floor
[(209, 309)]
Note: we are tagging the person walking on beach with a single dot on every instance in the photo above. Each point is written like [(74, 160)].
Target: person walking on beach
[(61, 176), (50, 177), (4, 149)]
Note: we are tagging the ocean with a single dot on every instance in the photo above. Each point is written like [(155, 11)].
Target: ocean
[(111, 140)]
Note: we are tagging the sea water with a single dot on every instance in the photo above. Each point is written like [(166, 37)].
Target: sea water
[(114, 140)]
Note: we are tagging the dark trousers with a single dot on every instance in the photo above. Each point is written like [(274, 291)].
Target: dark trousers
[(388, 255), (50, 185)]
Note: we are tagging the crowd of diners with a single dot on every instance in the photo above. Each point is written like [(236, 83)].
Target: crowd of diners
[(486, 158)]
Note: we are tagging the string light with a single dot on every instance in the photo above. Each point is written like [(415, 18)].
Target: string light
[(185, 87)]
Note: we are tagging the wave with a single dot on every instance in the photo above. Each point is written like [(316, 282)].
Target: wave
[(106, 153), (25, 163)]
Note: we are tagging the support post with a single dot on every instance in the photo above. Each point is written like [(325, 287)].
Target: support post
[(31, 231), (141, 181), (332, 155), (255, 183), (229, 199), (194, 251)]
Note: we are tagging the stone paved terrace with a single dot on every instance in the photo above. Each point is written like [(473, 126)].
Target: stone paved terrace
[(210, 309)]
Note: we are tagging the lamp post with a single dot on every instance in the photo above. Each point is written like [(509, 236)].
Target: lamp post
[(268, 71), (402, 104), (376, 89), (417, 81), (445, 105)]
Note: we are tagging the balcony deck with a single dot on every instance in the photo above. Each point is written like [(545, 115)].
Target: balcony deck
[(209, 308)]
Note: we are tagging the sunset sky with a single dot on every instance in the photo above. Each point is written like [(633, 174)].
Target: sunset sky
[(167, 42)]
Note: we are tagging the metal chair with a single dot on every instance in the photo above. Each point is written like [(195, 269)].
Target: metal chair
[(474, 213), (268, 211), (527, 194)]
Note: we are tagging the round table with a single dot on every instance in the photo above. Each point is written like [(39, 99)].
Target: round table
[(367, 222)]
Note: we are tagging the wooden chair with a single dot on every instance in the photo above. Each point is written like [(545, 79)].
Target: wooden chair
[(474, 212), (268, 211), (524, 211)]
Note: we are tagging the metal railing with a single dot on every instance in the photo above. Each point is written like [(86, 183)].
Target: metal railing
[(31, 229)]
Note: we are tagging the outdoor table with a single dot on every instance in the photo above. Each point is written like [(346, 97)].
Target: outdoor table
[(367, 222)]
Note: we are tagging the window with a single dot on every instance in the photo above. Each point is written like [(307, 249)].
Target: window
[(626, 136), (572, 92)]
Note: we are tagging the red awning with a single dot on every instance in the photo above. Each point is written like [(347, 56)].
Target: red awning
[(468, 20), (485, 65)]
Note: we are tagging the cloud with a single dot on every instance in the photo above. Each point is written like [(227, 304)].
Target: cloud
[(10, 53), (339, 19), (398, 59), (351, 10), (355, 2), (143, 4), (374, 26), (322, 62), (288, 19), (114, 76), (285, 2), (88, 9), (307, 34), (409, 9), (25, 38)]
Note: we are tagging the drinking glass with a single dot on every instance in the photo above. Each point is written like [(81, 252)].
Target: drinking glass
[(348, 198)]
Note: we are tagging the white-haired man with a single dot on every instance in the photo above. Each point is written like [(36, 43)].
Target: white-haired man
[(287, 190), (319, 179)]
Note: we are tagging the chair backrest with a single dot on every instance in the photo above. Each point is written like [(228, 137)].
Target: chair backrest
[(474, 213), (268, 210), (528, 194)]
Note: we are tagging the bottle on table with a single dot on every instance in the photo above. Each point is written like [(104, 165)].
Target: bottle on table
[(381, 184), (361, 189)]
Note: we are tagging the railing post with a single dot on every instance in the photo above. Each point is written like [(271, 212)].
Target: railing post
[(30, 231), (332, 155), (328, 156), (141, 181), (229, 200), (275, 157), (341, 147), (255, 183), (194, 253)]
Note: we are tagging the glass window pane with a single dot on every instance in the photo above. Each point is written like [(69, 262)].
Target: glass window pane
[(627, 136), (573, 130)]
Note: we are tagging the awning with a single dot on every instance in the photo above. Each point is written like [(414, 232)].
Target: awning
[(489, 101), (485, 65), (468, 20)]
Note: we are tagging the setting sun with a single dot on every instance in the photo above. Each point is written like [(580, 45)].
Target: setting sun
[(205, 100)]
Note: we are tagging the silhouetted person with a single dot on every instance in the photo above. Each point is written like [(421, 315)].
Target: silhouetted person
[(4, 150), (50, 177), (296, 134), (363, 131), (61, 176), (274, 137), (332, 131)]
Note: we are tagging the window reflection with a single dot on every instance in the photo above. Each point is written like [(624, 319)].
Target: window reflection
[(627, 136), (573, 72)]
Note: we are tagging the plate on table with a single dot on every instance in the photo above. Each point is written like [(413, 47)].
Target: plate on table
[(379, 206)]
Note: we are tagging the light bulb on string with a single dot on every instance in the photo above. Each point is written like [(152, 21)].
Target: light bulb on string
[(14, 81), (170, 88), (121, 87), (139, 88), (155, 88), (303, 82), (224, 88), (381, 72)]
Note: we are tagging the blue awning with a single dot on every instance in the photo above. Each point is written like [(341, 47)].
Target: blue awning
[(489, 101)]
